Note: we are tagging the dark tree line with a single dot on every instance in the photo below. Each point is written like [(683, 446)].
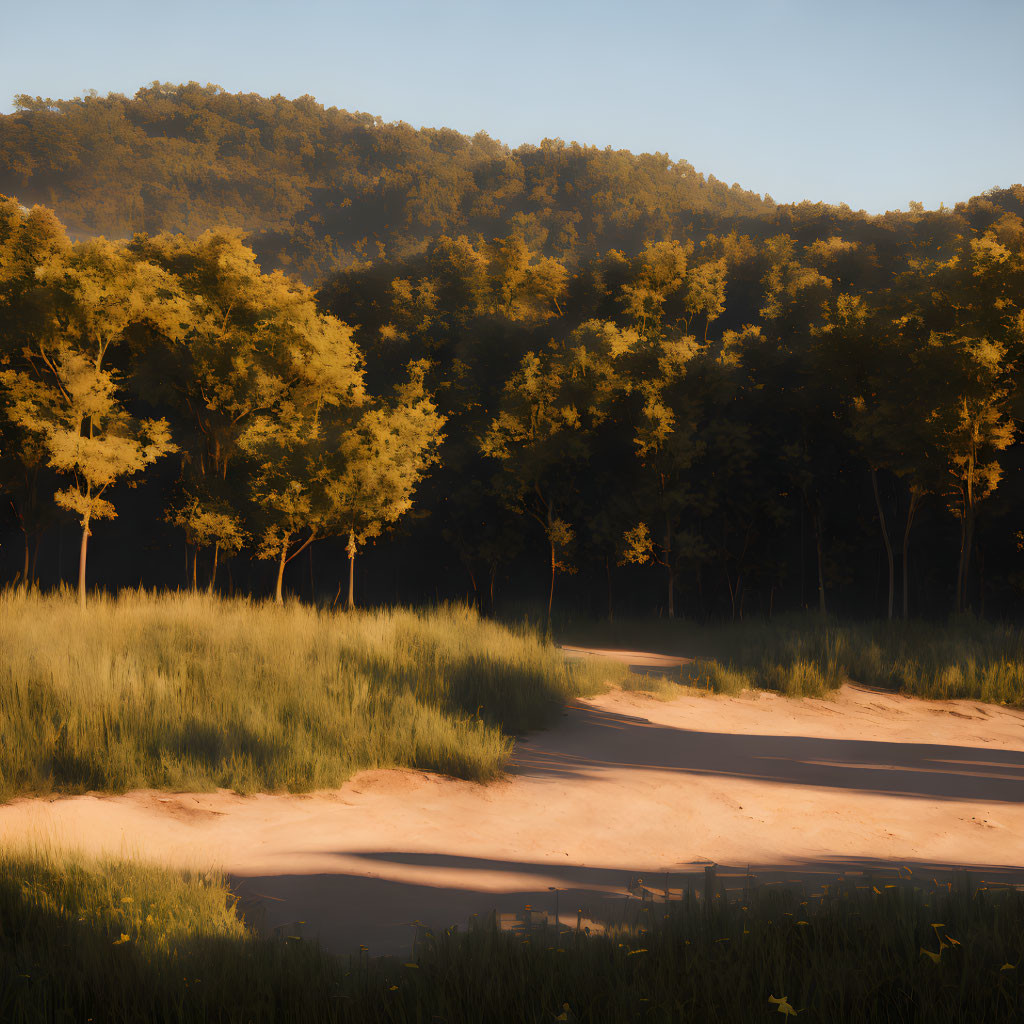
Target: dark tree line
[(554, 372)]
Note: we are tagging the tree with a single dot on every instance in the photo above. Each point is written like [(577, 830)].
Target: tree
[(250, 373), (974, 427), (896, 436), (375, 466), (667, 443), (540, 436), (208, 525), (64, 397), (30, 241)]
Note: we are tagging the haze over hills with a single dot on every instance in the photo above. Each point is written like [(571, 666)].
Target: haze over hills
[(319, 189), (323, 187)]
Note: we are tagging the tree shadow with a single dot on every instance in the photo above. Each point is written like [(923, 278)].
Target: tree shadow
[(344, 910), (928, 770)]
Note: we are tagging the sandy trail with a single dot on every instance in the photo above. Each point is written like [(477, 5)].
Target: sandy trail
[(622, 786)]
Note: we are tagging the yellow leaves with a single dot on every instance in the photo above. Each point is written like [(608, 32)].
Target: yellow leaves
[(564, 1015), (934, 957), (637, 547), (784, 1006), (124, 938)]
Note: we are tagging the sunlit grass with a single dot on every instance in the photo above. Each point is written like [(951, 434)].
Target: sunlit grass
[(191, 692), (124, 942), (807, 656)]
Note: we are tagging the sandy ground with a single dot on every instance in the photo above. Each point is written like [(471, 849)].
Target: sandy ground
[(622, 786)]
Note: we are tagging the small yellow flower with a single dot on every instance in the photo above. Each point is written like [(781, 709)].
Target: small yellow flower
[(784, 1006)]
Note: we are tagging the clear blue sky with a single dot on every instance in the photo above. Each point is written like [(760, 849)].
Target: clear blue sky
[(870, 103)]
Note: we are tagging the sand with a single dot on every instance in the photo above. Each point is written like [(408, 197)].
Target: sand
[(621, 787)]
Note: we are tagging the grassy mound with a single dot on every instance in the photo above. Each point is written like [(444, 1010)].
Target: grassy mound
[(191, 693)]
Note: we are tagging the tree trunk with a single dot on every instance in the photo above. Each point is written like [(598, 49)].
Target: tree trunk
[(732, 593), (885, 539), (551, 590), (670, 569), (964, 568), (195, 567), (213, 571), (279, 591), (351, 571), (803, 559), (915, 498), (821, 569), (35, 555), (24, 571), (81, 563), (608, 575)]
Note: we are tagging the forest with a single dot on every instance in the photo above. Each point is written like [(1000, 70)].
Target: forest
[(256, 345)]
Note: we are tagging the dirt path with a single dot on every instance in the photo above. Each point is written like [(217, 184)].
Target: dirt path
[(622, 786)]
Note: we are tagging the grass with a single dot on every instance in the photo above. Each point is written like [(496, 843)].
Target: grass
[(965, 658), (117, 942), (191, 692)]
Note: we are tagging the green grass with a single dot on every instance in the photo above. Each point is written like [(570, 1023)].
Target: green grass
[(965, 658), (191, 693), (117, 942)]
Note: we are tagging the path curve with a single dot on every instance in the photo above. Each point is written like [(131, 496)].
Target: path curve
[(622, 786)]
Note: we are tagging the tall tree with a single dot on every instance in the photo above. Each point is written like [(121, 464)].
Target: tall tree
[(540, 438), (64, 395), (375, 465), (248, 374)]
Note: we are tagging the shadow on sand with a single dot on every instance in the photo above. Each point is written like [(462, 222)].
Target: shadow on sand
[(347, 908), (933, 771)]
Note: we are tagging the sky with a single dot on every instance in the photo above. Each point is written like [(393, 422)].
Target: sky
[(874, 104)]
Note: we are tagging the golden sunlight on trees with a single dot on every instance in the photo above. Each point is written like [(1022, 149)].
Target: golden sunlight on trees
[(63, 396), (580, 387)]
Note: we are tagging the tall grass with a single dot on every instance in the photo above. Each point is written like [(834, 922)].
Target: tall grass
[(120, 942), (193, 692), (806, 655)]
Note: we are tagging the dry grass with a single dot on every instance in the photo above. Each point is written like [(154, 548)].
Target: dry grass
[(808, 656), (191, 693)]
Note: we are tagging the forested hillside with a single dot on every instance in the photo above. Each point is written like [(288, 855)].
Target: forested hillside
[(322, 188), (546, 371)]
